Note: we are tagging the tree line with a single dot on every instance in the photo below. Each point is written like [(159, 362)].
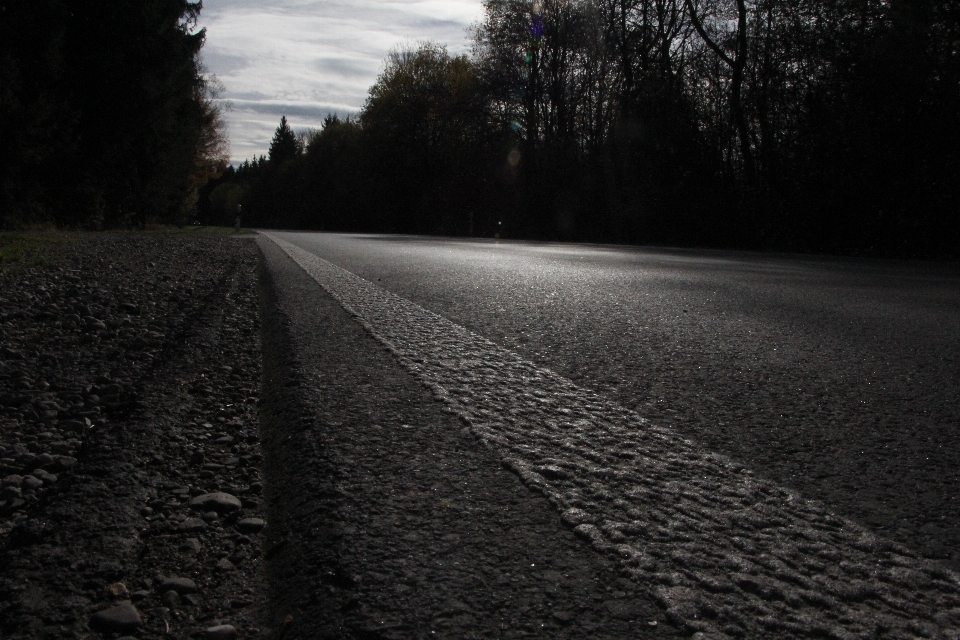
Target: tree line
[(810, 125), (106, 119)]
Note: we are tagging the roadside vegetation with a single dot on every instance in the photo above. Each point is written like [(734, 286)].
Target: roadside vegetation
[(816, 126), (22, 250), (821, 125), (106, 120)]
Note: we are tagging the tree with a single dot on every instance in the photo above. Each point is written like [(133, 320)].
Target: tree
[(426, 131), (102, 111), (285, 144)]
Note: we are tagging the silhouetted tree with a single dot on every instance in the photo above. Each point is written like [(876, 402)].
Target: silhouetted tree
[(810, 125), (285, 144), (134, 128)]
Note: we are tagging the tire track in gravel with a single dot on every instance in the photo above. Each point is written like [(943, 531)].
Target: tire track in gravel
[(724, 552)]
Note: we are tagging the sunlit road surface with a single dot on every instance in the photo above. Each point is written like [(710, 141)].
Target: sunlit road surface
[(800, 446)]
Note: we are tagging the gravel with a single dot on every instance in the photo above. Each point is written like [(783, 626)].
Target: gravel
[(124, 367)]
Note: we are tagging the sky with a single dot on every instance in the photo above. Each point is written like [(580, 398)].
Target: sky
[(309, 58)]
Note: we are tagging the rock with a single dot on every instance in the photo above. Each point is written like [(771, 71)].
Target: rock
[(110, 570), (12, 480), (192, 525), (73, 425), (47, 477), (218, 501), (182, 586), (225, 565), (45, 459), (11, 492), (123, 618), (210, 516), (563, 616), (222, 632), (31, 483), (251, 525), (170, 598), (65, 462), (116, 590), (191, 545)]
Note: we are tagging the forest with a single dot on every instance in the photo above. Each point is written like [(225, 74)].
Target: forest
[(810, 125), (106, 120), (789, 125)]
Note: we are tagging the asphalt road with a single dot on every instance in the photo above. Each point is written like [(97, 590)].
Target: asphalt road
[(764, 446), (837, 378)]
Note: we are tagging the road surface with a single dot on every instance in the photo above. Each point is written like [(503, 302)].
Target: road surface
[(757, 440)]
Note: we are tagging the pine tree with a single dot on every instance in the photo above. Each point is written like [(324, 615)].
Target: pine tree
[(285, 145)]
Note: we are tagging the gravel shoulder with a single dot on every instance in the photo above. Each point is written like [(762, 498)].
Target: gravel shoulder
[(128, 386)]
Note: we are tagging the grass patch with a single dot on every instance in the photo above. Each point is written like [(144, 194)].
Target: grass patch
[(21, 250), (197, 229)]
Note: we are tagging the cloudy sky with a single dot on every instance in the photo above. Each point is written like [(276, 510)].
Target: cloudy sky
[(307, 58)]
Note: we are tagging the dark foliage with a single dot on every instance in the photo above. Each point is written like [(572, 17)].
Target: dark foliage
[(104, 116), (819, 125)]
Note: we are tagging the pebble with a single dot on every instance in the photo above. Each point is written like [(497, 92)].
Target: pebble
[(250, 525), (192, 525), (181, 585), (116, 590), (170, 598), (191, 545), (12, 480), (218, 501), (47, 477), (222, 632), (45, 459), (123, 618)]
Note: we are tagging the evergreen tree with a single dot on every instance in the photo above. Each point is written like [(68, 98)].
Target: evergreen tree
[(285, 145)]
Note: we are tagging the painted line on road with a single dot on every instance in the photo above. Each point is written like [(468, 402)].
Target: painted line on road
[(726, 553)]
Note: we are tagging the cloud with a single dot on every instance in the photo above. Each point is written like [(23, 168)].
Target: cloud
[(307, 58)]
